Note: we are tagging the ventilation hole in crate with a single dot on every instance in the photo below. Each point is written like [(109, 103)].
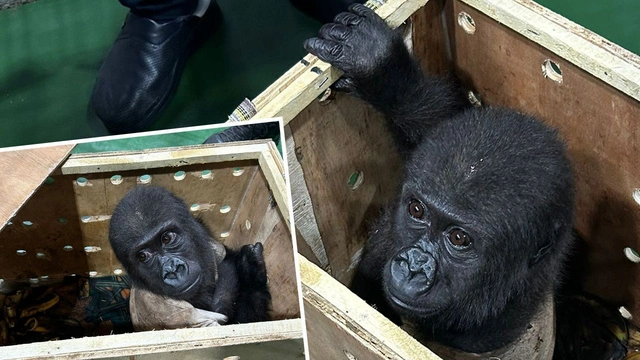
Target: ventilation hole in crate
[(93, 273), (85, 219), (206, 174), (21, 252), (62, 220), (144, 179), (34, 280), (49, 180), (238, 171), (225, 209), (551, 70), (349, 355), (474, 99), (235, 357), (92, 249), (179, 175), (636, 195), (625, 313), (195, 207), (1, 280), (355, 180), (632, 255), (9, 223), (41, 255), (247, 224), (117, 271), (466, 23), (67, 248), (81, 181), (44, 277), (116, 179), (224, 234), (27, 223)]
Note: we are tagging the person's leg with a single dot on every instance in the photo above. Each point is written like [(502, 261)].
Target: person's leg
[(141, 72)]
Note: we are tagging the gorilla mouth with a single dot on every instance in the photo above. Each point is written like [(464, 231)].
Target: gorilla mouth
[(193, 284), (413, 309)]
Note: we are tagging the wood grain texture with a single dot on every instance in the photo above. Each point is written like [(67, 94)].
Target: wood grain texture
[(23, 172), (340, 323), (334, 142), (153, 342), (601, 126), (592, 53)]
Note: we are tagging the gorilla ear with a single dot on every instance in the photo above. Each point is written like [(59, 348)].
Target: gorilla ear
[(219, 250)]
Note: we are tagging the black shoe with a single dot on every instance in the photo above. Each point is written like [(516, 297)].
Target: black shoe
[(244, 132), (324, 10), (143, 68)]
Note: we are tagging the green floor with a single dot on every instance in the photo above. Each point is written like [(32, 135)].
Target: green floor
[(51, 50)]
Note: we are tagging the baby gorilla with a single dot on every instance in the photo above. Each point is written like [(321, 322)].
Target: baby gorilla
[(476, 238), (167, 251)]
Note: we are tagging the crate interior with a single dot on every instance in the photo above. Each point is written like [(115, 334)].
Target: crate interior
[(345, 139), (63, 228)]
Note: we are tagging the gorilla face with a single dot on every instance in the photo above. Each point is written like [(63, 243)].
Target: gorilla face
[(161, 245)]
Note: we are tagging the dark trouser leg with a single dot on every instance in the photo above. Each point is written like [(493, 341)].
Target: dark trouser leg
[(161, 10)]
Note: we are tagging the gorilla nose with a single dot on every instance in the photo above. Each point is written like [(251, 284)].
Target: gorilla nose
[(172, 270), (413, 271)]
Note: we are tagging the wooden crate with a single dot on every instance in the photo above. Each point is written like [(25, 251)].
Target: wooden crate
[(507, 58), (62, 229)]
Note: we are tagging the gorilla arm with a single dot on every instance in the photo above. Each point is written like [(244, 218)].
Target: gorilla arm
[(379, 69)]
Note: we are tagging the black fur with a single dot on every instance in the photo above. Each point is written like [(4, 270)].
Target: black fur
[(495, 181), (226, 281)]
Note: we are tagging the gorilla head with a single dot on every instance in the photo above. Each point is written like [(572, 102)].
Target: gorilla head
[(479, 211), (162, 246)]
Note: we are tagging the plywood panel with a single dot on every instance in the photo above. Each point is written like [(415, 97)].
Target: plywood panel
[(600, 124), (23, 171), (334, 142)]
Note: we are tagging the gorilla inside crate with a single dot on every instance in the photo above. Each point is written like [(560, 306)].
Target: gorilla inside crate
[(167, 251), (477, 236)]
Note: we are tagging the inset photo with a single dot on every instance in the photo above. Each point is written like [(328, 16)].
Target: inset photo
[(173, 245)]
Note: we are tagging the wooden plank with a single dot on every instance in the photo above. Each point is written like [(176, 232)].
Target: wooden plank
[(590, 52), (430, 40), (600, 124), (273, 170), (335, 142), (277, 349), (24, 171), (340, 323), (165, 157), (153, 342), (305, 218), (308, 79)]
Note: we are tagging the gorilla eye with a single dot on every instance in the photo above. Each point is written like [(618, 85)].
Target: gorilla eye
[(459, 238), (143, 256), (416, 209), (168, 236)]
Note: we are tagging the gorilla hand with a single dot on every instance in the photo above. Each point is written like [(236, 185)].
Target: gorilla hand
[(361, 44), (251, 266)]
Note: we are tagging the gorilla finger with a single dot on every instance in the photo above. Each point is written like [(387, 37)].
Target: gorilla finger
[(344, 84), (325, 50), (335, 32), (347, 19), (361, 10)]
